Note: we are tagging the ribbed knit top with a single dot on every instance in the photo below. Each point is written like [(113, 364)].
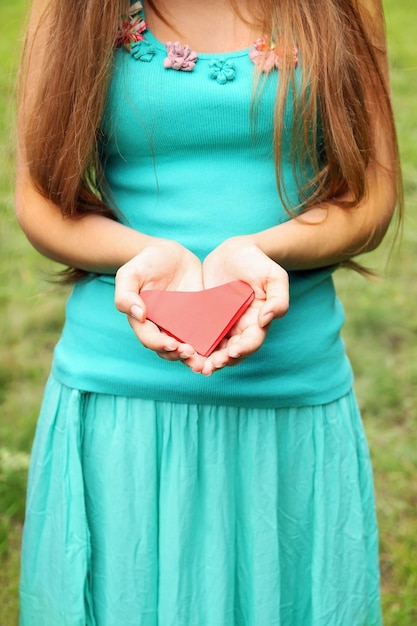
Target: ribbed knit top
[(185, 160)]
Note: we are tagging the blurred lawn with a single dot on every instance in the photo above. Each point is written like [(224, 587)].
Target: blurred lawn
[(380, 332)]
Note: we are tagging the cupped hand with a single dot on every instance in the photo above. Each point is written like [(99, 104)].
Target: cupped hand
[(240, 259), (163, 265), (166, 265)]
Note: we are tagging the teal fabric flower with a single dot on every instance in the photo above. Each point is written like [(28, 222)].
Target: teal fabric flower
[(222, 71), (143, 51)]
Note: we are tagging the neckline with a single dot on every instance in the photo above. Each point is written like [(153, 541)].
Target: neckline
[(149, 36)]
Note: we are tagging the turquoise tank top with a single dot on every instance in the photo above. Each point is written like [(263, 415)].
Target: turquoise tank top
[(185, 160)]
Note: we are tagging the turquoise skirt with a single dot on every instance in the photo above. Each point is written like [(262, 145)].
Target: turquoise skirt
[(144, 513)]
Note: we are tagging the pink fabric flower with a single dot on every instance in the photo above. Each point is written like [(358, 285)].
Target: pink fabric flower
[(131, 27), (267, 56), (180, 58)]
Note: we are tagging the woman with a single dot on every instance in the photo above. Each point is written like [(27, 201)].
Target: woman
[(180, 146)]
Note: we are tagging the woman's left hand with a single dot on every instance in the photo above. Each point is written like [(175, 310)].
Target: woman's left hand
[(239, 258)]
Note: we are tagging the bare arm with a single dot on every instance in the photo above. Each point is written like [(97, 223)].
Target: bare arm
[(92, 243), (328, 235)]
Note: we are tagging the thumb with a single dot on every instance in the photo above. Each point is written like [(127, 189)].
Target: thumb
[(127, 287), (277, 298)]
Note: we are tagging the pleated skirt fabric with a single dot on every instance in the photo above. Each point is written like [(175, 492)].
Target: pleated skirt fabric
[(144, 513)]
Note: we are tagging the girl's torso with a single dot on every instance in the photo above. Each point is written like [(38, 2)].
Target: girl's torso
[(188, 155)]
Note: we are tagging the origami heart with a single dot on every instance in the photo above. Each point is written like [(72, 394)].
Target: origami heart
[(200, 318)]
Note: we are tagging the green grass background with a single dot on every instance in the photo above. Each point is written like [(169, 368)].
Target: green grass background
[(380, 333)]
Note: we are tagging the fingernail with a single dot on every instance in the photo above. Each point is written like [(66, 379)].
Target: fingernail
[(186, 354), (267, 319), (137, 312), (170, 348)]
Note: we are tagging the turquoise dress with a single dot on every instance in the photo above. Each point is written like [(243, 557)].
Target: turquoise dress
[(158, 497)]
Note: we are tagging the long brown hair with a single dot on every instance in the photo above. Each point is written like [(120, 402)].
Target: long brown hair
[(344, 78)]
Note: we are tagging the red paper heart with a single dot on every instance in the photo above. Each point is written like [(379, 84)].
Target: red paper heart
[(200, 318)]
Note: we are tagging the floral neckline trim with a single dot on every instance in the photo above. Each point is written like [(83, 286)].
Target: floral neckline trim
[(267, 55), (264, 53), (131, 27)]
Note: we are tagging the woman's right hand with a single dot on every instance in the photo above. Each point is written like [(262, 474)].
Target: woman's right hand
[(167, 266)]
